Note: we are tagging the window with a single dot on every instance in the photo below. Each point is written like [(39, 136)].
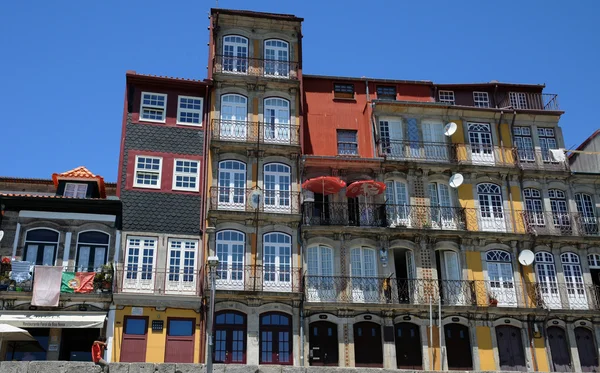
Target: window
[(277, 120), (524, 143), (547, 142), (235, 54), (363, 269), (534, 215), (386, 92), (594, 261), (546, 278), (491, 207), (185, 175), (574, 280), (135, 325), (92, 251), (347, 142), (341, 90), (518, 100), (277, 184), (180, 327), (75, 190), (277, 58), (230, 248), (442, 213), (500, 275), (587, 216), (40, 246), (234, 112), (182, 266), (397, 203), (154, 107), (232, 185), (277, 259), (147, 172), (189, 110), (481, 99), (230, 337), (447, 96), (319, 280), (275, 339), (139, 263)]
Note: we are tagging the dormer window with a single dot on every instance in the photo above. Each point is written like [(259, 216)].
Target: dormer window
[(75, 190)]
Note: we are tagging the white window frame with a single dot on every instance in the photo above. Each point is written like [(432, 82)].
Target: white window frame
[(154, 107), (447, 95), (79, 187), (481, 99), (136, 170), (176, 173), (192, 111)]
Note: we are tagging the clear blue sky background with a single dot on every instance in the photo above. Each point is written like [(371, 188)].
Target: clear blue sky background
[(63, 63)]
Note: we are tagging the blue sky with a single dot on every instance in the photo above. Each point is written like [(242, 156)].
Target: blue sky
[(63, 63)]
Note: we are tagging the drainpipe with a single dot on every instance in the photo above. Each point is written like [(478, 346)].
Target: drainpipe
[(301, 333)]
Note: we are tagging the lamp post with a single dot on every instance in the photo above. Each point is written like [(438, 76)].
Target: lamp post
[(213, 262)]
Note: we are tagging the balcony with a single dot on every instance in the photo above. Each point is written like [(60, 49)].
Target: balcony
[(560, 223), (240, 199), (268, 68), (255, 132), (530, 101), (530, 159), (150, 281), (266, 278)]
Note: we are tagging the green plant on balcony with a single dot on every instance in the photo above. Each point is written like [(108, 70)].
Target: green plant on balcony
[(104, 278), (493, 300)]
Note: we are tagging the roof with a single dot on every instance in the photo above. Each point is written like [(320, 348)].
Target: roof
[(133, 75), (362, 79), (45, 196), (81, 173), (250, 13), (33, 180), (584, 144), (489, 84)]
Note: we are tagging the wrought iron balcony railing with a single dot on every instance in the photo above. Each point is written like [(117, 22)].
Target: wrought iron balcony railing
[(282, 278), (530, 101), (536, 159), (143, 279), (270, 68), (240, 199), (560, 223), (253, 132), (98, 280)]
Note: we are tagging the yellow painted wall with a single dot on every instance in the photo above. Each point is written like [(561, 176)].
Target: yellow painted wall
[(541, 357), (459, 139), (156, 341), (257, 48), (529, 277), (475, 273), (517, 207), (465, 197), (505, 135), (434, 352), (486, 349)]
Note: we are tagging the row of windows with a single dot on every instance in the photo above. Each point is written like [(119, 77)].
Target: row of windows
[(234, 107), (148, 172), (154, 109), (518, 100)]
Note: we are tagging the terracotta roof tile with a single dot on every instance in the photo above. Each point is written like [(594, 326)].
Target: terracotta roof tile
[(132, 73), (80, 173)]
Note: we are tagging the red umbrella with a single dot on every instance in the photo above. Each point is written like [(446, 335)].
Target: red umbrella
[(365, 188), (324, 185)]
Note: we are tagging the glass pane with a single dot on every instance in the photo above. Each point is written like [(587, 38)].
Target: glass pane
[(181, 328), (135, 326)]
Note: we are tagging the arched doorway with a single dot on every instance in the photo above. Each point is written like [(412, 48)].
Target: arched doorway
[(559, 348), (230, 338), (586, 348), (368, 350), (323, 344), (275, 339), (458, 347), (510, 348), (408, 346)]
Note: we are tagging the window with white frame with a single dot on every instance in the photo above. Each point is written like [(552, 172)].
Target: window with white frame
[(189, 110), (594, 261), (147, 172), (534, 215), (154, 107), (447, 96), (75, 190), (518, 100), (524, 143), (347, 142), (481, 99), (547, 141), (186, 174)]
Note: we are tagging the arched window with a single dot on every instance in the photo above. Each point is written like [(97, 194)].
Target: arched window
[(277, 58), (233, 125), (230, 337), (594, 261), (319, 278), (574, 280), (397, 203), (92, 251), (500, 275), (41, 246), (232, 185), (546, 278), (277, 261), (560, 211), (482, 146), (230, 248), (491, 207), (275, 338), (363, 269), (235, 54), (277, 120), (277, 185), (587, 214)]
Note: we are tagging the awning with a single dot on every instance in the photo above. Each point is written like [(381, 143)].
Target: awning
[(26, 319)]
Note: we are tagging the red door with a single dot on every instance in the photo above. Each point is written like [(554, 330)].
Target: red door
[(276, 339), (180, 340), (230, 338), (135, 333)]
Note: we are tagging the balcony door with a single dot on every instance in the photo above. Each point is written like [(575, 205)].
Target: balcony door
[(363, 267), (397, 205), (277, 188), (277, 259), (524, 143), (574, 281), (534, 215), (442, 213), (435, 142), (547, 282), (585, 208), (139, 264), (275, 339), (453, 290), (560, 212), (500, 277), (320, 282), (181, 278), (491, 209), (230, 250), (277, 58), (234, 114), (277, 121), (232, 185), (480, 139), (392, 135), (230, 338), (235, 54)]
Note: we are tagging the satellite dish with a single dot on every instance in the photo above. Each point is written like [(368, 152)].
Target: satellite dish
[(526, 257), (255, 198), (456, 180), (450, 128), (1, 235)]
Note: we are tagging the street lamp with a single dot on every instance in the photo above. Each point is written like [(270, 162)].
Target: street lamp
[(213, 262)]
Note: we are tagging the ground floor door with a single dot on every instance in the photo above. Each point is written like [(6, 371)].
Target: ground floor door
[(559, 348), (76, 344), (510, 348), (180, 340), (368, 348), (586, 347), (458, 347), (408, 346), (323, 344), (135, 334)]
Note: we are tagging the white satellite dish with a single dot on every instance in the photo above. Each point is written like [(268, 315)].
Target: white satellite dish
[(526, 257), (450, 128), (456, 180), (1, 235), (255, 198)]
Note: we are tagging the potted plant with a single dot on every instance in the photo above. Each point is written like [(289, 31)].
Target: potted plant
[(4, 281), (493, 300), (107, 278)]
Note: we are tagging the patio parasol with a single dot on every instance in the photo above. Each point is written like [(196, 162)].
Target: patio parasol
[(324, 185), (365, 188)]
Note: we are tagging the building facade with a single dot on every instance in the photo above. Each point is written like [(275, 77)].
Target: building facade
[(158, 291)]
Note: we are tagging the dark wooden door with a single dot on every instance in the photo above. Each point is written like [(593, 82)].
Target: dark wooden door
[(323, 344), (135, 333), (586, 347), (180, 341), (353, 211), (510, 348), (368, 348), (559, 348), (276, 339), (408, 346), (230, 338), (458, 347)]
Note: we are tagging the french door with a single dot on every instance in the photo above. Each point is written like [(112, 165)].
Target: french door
[(574, 281), (230, 250), (397, 205), (435, 142), (524, 143), (392, 136), (452, 288), (491, 210), (275, 339), (277, 120), (139, 264), (320, 280), (480, 139), (277, 187), (277, 260), (230, 338), (547, 281), (234, 114), (181, 278), (560, 211), (232, 185), (500, 277), (442, 213), (585, 208), (363, 267), (277, 58), (235, 54)]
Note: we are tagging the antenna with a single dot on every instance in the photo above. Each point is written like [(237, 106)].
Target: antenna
[(450, 128), (526, 257), (456, 180), (255, 198)]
